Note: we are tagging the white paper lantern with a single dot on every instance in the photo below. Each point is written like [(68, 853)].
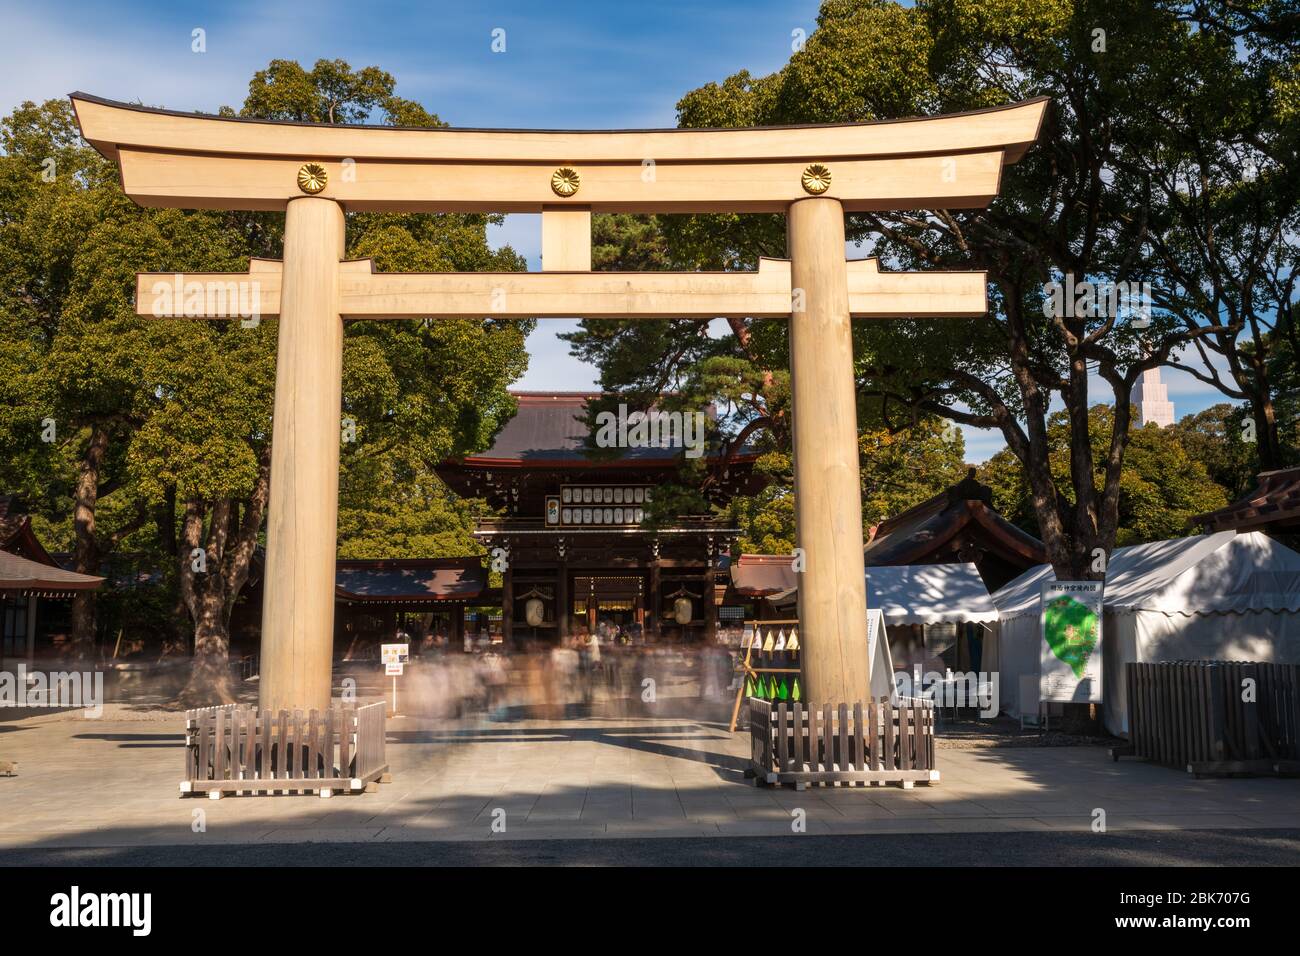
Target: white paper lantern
[(534, 612), (682, 611)]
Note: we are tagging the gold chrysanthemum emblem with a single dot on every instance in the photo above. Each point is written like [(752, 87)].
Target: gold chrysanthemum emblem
[(816, 179), (565, 181), (312, 177)]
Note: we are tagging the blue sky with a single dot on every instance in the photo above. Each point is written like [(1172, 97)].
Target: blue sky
[(575, 65)]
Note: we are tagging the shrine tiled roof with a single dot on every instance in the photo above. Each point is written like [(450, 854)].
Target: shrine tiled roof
[(550, 430), (410, 581), (33, 577), (921, 534)]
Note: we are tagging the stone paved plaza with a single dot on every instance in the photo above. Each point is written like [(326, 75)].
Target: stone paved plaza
[(113, 782)]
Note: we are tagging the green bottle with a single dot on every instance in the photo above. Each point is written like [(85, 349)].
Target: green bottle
[(784, 689), (796, 694), (771, 687)]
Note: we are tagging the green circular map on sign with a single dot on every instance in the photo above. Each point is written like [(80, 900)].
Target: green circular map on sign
[(1070, 629)]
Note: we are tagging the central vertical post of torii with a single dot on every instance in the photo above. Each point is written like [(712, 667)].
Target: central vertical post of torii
[(828, 495), (302, 517)]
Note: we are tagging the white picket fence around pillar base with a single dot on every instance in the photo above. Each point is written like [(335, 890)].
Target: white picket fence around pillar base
[(863, 743), (236, 749)]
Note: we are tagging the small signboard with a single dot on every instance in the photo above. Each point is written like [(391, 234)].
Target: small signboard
[(1070, 652), (875, 616), (394, 669), (878, 653), (395, 654)]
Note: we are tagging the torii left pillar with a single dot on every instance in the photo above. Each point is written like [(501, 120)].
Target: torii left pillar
[(302, 515)]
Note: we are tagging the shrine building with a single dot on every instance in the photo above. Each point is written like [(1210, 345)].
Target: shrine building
[(573, 541)]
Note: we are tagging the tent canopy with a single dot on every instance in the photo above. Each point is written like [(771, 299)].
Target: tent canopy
[(930, 594), (1217, 573), (926, 594)]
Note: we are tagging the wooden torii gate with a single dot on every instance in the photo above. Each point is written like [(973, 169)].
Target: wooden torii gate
[(315, 172)]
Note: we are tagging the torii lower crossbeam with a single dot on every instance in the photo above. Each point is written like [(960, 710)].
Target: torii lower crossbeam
[(366, 294)]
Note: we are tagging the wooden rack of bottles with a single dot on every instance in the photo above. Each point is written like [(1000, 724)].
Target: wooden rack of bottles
[(770, 668)]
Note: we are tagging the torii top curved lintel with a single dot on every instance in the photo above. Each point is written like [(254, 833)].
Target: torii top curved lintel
[(192, 160)]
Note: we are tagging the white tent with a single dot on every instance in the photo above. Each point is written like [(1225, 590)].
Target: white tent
[(922, 594), (1223, 596), (930, 594), (934, 598)]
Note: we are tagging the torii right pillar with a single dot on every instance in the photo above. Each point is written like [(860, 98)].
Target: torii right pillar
[(828, 490)]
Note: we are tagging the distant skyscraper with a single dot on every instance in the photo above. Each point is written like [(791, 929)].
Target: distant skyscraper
[(1151, 400)]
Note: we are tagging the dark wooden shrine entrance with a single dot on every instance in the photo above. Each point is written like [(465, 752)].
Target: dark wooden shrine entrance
[(573, 543)]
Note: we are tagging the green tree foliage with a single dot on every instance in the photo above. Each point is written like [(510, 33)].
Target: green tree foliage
[(330, 92), (1165, 482), (899, 469), (1219, 145), (86, 373), (1217, 439), (1135, 88), (164, 427)]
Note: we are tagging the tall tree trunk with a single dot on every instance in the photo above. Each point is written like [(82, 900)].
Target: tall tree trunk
[(1268, 447), (86, 557), (239, 556), (231, 542), (204, 590), (210, 681), (1031, 445), (178, 622)]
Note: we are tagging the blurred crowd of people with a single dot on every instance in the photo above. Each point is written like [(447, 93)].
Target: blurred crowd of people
[(606, 668)]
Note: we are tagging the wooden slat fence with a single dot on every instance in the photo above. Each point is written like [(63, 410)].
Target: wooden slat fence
[(1195, 716), (236, 749), (871, 742)]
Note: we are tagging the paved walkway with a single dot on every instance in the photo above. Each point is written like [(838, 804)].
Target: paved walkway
[(113, 782)]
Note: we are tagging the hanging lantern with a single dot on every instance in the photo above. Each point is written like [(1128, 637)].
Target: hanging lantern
[(534, 612), (682, 611)]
